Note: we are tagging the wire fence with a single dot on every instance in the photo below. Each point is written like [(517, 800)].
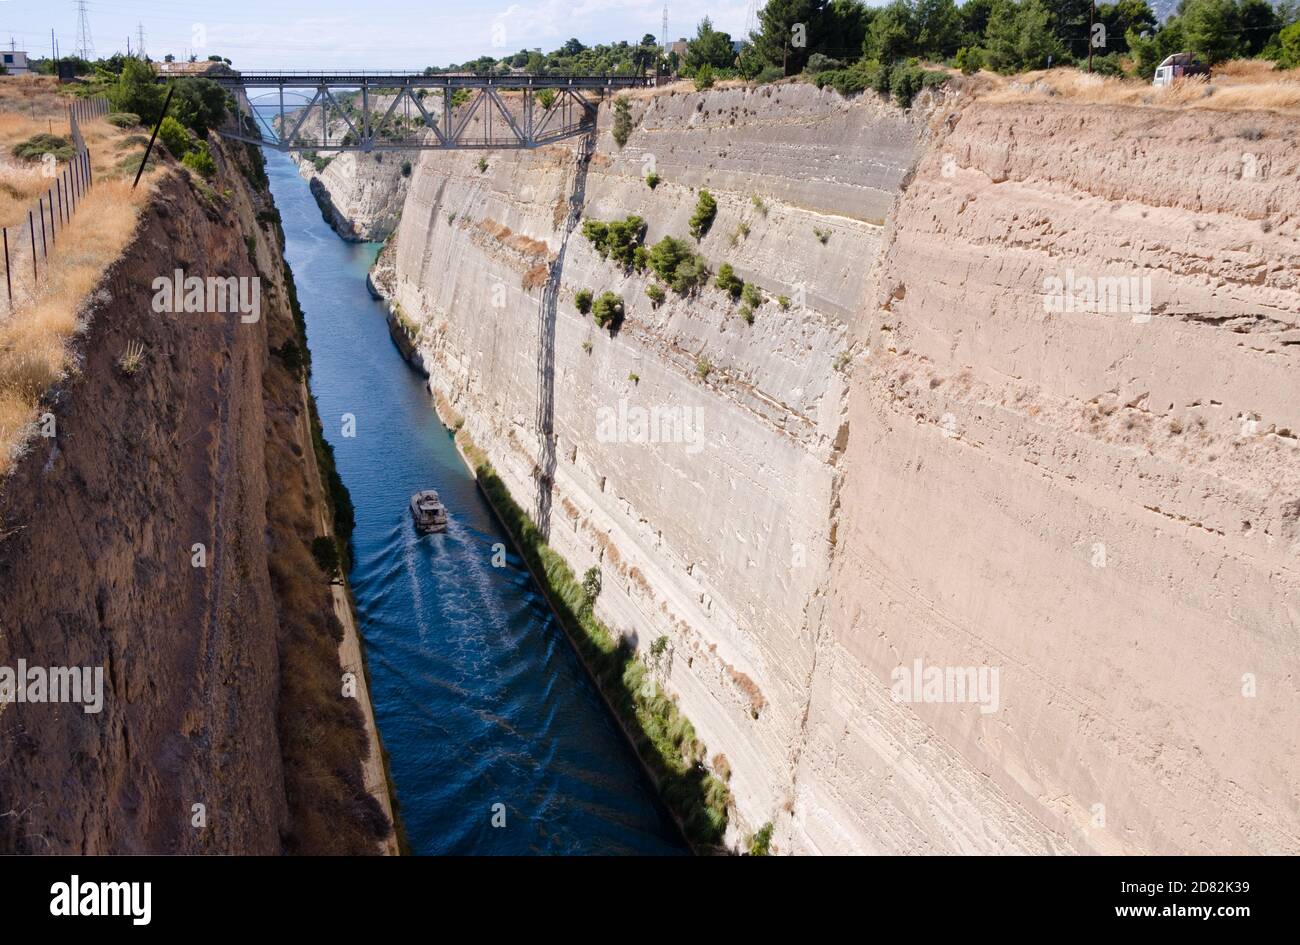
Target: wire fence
[(29, 244)]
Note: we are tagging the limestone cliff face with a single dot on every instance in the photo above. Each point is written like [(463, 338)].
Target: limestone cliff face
[(360, 195), (1104, 505), (712, 527), (922, 458), (205, 667)]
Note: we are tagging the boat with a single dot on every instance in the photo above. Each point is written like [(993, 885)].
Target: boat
[(428, 511)]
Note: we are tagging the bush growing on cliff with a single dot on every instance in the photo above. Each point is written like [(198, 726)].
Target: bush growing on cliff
[(607, 310), (622, 120), (704, 78), (617, 240), (751, 295), (326, 553), (591, 584), (728, 281), (122, 119), (582, 300), (676, 265), (760, 844), (655, 293), (175, 137), (652, 180), (200, 160), (706, 208)]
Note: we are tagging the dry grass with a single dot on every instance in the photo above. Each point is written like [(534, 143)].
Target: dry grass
[(49, 310), (1243, 85)]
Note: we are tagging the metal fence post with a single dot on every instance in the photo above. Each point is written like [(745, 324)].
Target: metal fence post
[(40, 205), (8, 278), (31, 229)]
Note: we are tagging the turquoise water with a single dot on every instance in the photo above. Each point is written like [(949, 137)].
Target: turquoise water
[(479, 697)]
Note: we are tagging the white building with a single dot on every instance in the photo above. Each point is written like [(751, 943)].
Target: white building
[(15, 62)]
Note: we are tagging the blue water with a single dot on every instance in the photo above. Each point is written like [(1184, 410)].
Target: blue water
[(479, 697)]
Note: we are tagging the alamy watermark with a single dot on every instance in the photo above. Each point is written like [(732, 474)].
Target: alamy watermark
[(662, 423), (947, 684), (213, 295), (1098, 295), (60, 684)]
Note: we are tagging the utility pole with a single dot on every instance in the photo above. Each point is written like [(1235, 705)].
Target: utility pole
[(1092, 15), (140, 45), (665, 29), (85, 45)]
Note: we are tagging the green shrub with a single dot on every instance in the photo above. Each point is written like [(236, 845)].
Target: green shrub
[(970, 59), (702, 367), (760, 844), (607, 310), (652, 180), (728, 281), (706, 208), (819, 62), (326, 552), (655, 293), (175, 137), (200, 160), (704, 78), (406, 168), (617, 239), (905, 81), (747, 313), (582, 300), (591, 584), (676, 265), (37, 146), (622, 120), (546, 98), (122, 119), (482, 165), (770, 74), (784, 302), (751, 295)]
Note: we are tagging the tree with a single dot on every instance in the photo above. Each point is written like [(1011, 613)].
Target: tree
[(1150, 50), (844, 27), (199, 104), (137, 92), (1120, 17), (1213, 29), (785, 29), (1021, 37), (893, 33), (975, 20), (1259, 23), (1289, 57), (938, 28), (710, 47)]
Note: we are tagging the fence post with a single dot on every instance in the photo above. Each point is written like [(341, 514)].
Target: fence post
[(8, 278), (53, 225), (40, 204), (70, 187), (63, 211), (31, 228)]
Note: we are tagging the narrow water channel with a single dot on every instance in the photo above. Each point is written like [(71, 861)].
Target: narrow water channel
[(479, 698)]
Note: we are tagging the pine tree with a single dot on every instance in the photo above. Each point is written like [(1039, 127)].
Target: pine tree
[(785, 23)]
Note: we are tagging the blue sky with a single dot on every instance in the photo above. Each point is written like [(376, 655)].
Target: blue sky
[(376, 34)]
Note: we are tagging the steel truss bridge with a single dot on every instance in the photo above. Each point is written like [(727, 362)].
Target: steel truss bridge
[(391, 111)]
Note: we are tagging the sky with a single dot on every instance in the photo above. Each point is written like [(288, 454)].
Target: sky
[(370, 34)]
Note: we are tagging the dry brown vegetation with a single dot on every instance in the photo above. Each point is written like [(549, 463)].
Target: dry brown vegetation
[(1243, 85), (48, 310)]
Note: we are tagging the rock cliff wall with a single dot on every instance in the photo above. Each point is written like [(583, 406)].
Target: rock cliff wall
[(1103, 504), (220, 664), (711, 528), (920, 458)]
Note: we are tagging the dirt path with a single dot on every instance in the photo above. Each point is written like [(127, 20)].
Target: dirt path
[(350, 658)]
